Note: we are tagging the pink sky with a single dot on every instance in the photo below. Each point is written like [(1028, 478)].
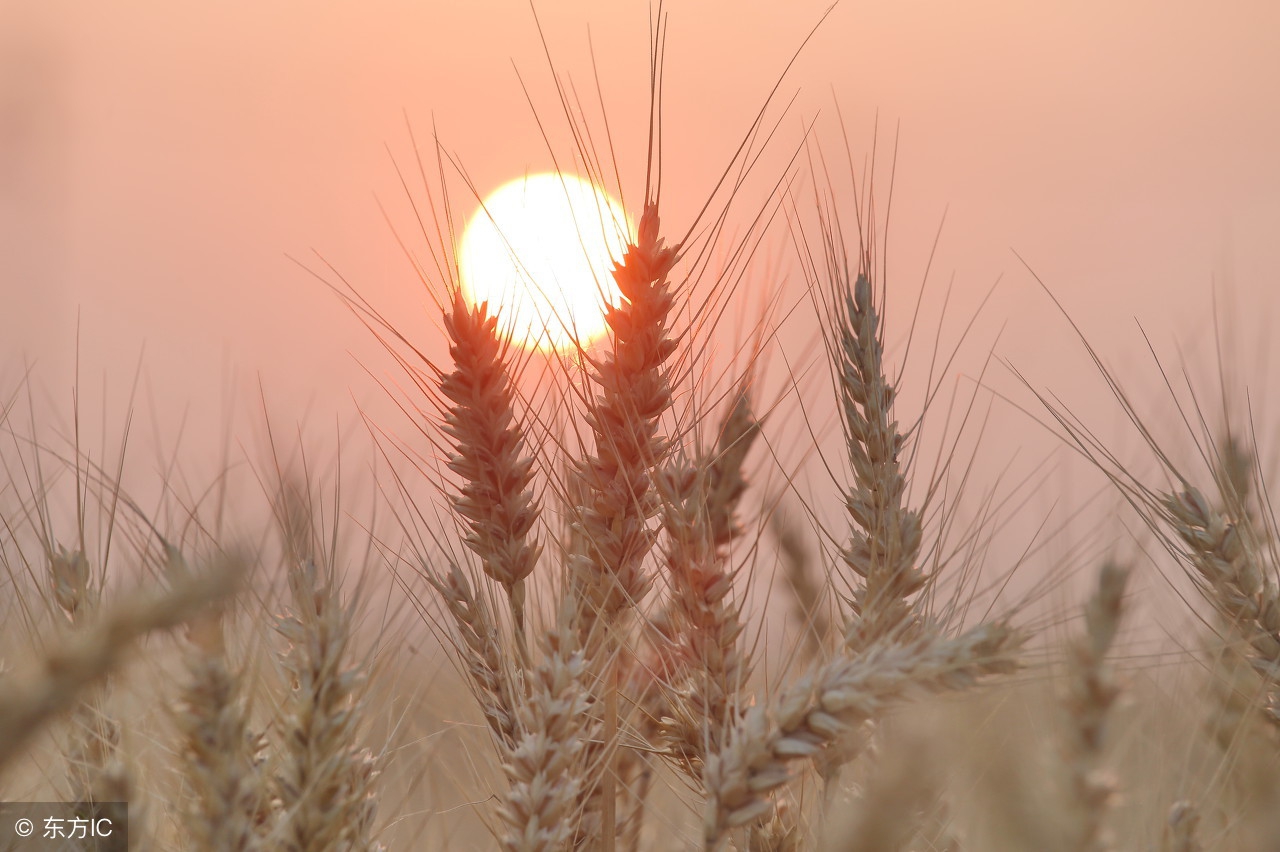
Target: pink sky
[(160, 163)]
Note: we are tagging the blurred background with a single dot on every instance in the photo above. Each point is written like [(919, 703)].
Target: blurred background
[(181, 183), (170, 172)]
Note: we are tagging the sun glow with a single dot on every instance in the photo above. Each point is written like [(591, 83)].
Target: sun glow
[(540, 251)]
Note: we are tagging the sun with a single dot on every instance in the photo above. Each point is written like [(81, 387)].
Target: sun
[(540, 251)]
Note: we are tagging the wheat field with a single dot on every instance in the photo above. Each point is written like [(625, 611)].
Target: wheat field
[(591, 599)]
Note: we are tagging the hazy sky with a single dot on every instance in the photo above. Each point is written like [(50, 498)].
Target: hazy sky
[(161, 163)]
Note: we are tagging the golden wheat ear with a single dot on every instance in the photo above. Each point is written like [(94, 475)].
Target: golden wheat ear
[(607, 576), (632, 390), (495, 501)]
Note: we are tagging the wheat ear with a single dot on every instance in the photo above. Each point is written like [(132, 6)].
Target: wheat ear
[(325, 780), (97, 774), (885, 534), (219, 755), (633, 390), (496, 500), (607, 577), (699, 519), (807, 593), (90, 653), (1235, 580), (478, 645), (546, 765), (781, 831), (802, 719), (1092, 693), (1180, 829)]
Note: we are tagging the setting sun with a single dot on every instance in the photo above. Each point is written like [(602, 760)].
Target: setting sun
[(539, 251)]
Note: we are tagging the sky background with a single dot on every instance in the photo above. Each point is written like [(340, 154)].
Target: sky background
[(163, 167)]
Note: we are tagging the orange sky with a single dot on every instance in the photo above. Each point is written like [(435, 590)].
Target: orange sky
[(160, 163)]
